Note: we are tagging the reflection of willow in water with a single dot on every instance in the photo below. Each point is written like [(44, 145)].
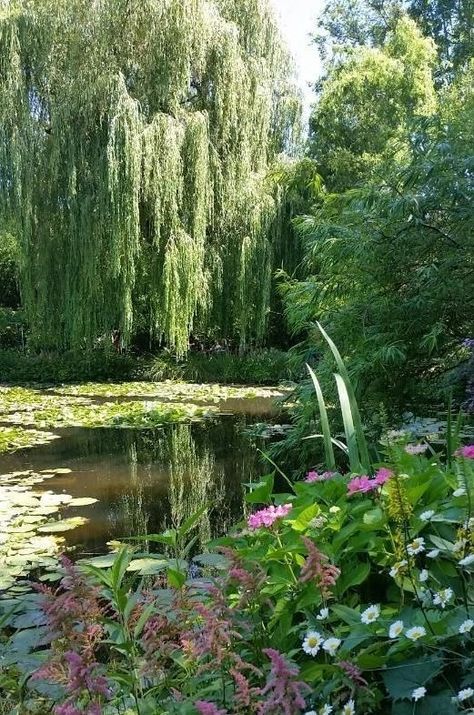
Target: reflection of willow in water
[(134, 504), (194, 480)]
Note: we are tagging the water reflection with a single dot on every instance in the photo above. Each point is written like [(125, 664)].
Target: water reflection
[(147, 480)]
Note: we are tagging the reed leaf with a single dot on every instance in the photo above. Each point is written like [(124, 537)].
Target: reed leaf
[(328, 449)]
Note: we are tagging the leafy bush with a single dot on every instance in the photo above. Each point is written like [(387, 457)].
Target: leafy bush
[(22, 367), (259, 367)]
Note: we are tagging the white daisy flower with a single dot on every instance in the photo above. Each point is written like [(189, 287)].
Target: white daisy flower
[(370, 614), (427, 515), (326, 709), (312, 642), (433, 554), (416, 546), (415, 633), (418, 693), (323, 614), (467, 560), (424, 575), (441, 598), (459, 492), (311, 712), (395, 629), (396, 568), (331, 645), (349, 708), (465, 694), (466, 626)]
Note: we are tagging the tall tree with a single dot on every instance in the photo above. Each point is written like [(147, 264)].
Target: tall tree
[(363, 113), (135, 136)]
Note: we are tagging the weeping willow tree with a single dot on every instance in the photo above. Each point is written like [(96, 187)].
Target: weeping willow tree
[(135, 138)]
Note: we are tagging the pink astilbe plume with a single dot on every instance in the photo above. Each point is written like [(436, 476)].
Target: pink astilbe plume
[(354, 673), (282, 692), (317, 568)]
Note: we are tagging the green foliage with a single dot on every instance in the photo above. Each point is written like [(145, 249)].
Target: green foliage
[(73, 366), (390, 263), (344, 582), (367, 102), (9, 271), (258, 367), (151, 127)]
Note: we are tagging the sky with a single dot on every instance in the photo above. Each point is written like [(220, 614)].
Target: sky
[(297, 20)]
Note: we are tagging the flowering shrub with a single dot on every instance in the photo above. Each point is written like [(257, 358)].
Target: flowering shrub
[(349, 594)]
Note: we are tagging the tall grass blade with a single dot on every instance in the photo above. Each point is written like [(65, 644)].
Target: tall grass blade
[(328, 449), (360, 436), (349, 429)]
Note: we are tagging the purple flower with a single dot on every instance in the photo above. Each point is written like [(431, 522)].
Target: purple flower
[(467, 452), (282, 692), (468, 343), (266, 517)]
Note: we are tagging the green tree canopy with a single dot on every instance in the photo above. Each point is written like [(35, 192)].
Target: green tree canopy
[(371, 95), (391, 263), (135, 136)]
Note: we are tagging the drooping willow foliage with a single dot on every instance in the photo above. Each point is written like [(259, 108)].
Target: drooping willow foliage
[(135, 137)]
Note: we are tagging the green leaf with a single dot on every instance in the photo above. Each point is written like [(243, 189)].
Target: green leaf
[(328, 450), (352, 577), (304, 518), (191, 521), (402, 680), (364, 452), (262, 491), (351, 438), (176, 579)]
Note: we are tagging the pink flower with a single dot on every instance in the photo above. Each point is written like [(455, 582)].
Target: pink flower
[(416, 448), (266, 517), (315, 477), (361, 484), (204, 707), (382, 475), (354, 673), (467, 452), (282, 693), (317, 568)]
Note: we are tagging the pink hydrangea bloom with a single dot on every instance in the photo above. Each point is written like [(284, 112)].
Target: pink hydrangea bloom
[(361, 484), (267, 516), (382, 475), (467, 452)]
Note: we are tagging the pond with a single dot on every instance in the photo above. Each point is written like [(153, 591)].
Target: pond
[(138, 481)]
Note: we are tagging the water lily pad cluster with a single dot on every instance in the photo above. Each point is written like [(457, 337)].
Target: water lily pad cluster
[(31, 524), (13, 438), (21, 406), (169, 390)]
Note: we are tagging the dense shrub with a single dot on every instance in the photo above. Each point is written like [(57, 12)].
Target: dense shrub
[(258, 367), (23, 367)]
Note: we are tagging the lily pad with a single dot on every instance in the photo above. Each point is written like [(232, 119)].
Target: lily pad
[(54, 527)]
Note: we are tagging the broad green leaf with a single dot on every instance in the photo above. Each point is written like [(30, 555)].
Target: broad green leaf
[(328, 450)]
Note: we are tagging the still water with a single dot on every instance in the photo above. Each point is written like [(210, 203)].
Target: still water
[(148, 480)]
